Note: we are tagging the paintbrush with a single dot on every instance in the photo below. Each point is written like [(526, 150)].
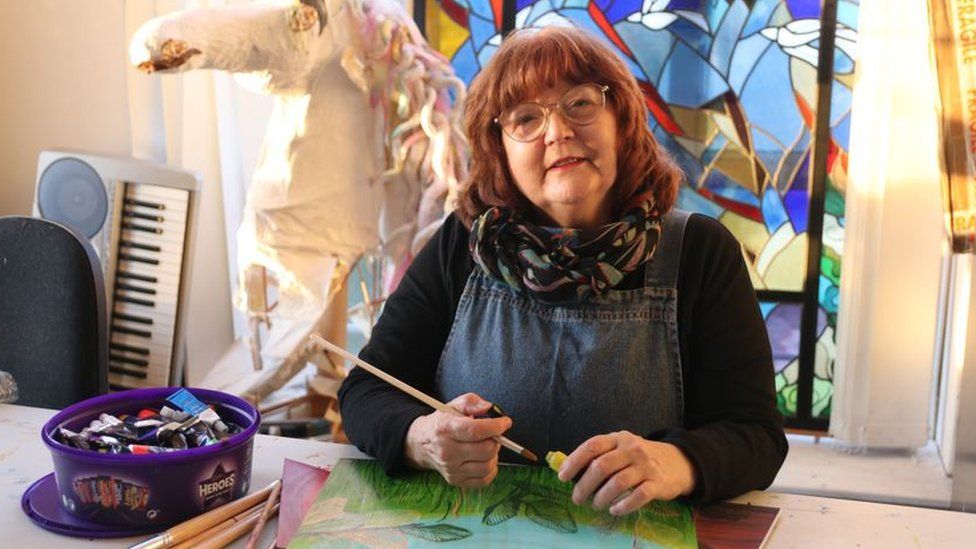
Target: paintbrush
[(419, 395), (248, 516), (198, 524), (265, 515)]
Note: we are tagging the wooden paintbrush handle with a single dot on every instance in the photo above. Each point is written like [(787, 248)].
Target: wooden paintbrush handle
[(416, 393), (207, 535), (194, 526), (265, 515), (224, 537)]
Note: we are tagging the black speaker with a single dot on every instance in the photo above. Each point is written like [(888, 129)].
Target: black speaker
[(72, 193)]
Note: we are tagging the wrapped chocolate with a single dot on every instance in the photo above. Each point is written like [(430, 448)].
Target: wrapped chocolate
[(185, 401), (184, 422), (144, 449), (73, 439)]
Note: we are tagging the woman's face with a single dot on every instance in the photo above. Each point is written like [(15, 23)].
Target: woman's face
[(568, 171)]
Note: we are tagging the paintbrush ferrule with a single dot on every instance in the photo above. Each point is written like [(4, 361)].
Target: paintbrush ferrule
[(157, 542)]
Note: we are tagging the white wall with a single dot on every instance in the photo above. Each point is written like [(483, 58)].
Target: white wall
[(62, 84), (895, 237), (63, 70)]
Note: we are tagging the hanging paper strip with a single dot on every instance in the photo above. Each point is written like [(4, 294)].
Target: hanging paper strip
[(954, 43)]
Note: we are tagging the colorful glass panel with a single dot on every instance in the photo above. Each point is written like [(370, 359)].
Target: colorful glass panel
[(783, 325), (731, 86), (466, 31)]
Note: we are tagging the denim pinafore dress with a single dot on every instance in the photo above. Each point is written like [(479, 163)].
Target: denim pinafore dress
[(565, 373)]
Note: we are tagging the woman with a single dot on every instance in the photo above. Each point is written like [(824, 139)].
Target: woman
[(565, 290)]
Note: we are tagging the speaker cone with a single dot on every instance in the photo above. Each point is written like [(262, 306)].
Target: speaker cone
[(72, 193)]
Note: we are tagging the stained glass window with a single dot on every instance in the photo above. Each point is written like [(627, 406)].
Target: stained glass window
[(783, 324), (732, 89), (467, 31)]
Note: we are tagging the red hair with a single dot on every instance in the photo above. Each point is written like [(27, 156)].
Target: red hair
[(530, 60)]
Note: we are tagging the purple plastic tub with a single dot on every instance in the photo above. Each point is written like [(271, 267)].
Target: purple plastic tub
[(150, 489)]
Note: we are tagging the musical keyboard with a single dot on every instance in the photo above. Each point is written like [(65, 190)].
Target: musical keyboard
[(145, 290), (144, 245)]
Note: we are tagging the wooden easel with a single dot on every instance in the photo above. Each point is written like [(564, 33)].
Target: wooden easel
[(321, 395)]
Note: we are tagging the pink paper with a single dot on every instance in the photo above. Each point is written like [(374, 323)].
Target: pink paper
[(300, 483)]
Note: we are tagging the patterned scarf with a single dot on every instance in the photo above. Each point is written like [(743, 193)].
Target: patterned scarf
[(560, 265)]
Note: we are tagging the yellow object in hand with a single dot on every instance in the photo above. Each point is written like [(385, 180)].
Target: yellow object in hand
[(555, 460)]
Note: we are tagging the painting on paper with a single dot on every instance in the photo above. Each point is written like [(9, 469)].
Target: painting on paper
[(360, 506)]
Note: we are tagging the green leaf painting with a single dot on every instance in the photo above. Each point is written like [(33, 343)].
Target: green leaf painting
[(360, 506), (435, 532)]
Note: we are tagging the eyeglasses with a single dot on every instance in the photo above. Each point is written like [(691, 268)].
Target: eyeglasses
[(581, 105)]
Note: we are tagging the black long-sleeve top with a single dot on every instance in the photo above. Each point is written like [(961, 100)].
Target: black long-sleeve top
[(732, 432)]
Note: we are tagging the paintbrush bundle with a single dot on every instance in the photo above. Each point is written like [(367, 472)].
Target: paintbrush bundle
[(219, 526)]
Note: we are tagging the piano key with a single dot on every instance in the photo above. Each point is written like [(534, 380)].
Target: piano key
[(127, 299), (128, 214), (128, 348), (155, 363), (162, 271), (157, 347), (144, 204), (156, 191), (125, 371), (174, 213), (157, 371), (139, 245), (139, 258), (161, 300), (161, 325), (132, 318), (137, 289), (164, 255), (157, 204), (128, 360), (168, 208), (170, 241), (173, 219), (153, 233), (167, 242), (159, 315), (140, 227), (135, 276), (123, 330), (121, 382), (161, 303)]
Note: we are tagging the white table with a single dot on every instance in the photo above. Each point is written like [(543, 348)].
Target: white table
[(805, 521)]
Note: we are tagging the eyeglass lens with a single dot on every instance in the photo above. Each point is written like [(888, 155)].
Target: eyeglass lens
[(527, 121)]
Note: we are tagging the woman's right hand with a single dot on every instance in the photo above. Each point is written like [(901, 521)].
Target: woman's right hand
[(460, 448)]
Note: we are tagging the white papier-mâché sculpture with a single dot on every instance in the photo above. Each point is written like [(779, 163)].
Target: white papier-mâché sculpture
[(363, 151)]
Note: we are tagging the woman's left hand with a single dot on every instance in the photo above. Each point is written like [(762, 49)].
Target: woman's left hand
[(625, 471)]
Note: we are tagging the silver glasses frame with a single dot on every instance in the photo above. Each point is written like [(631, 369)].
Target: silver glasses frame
[(548, 109)]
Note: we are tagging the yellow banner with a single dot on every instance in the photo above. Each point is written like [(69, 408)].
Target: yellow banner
[(954, 48)]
